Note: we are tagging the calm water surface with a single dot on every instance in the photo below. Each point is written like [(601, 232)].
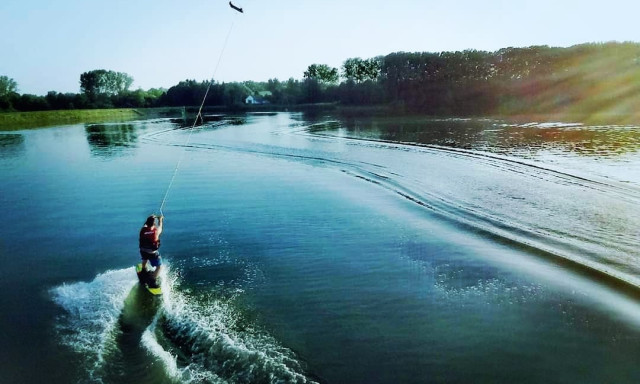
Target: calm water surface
[(323, 249)]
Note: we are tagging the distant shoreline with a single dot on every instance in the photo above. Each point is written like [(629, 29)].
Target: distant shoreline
[(24, 120), (34, 119)]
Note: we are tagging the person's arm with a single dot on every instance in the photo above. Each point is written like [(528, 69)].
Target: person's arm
[(159, 231)]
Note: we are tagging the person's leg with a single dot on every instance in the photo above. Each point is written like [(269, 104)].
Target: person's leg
[(144, 258), (157, 263)]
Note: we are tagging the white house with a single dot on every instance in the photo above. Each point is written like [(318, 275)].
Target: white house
[(255, 100)]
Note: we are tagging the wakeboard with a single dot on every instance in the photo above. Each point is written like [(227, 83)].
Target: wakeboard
[(148, 281)]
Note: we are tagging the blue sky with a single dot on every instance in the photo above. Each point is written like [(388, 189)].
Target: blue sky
[(46, 45)]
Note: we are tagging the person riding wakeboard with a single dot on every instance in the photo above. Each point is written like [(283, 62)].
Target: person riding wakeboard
[(150, 243)]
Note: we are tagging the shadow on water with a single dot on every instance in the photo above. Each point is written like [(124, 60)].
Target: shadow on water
[(132, 360), (107, 140), (11, 145)]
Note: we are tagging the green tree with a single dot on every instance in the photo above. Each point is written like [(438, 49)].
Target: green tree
[(322, 73), (28, 102), (8, 93), (188, 92), (234, 94), (103, 82), (57, 100), (292, 91), (7, 86), (360, 70), (275, 87)]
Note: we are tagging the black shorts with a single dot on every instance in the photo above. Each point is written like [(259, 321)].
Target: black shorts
[(154, 258)]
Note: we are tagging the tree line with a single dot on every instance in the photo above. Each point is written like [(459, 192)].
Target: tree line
[(536, 79)]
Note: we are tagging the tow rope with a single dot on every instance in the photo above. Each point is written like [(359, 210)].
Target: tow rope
[(199, 115)]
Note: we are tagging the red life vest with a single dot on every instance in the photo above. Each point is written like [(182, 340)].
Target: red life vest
[(148, 238)]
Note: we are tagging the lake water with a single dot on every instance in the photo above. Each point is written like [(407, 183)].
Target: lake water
[(318, 248)]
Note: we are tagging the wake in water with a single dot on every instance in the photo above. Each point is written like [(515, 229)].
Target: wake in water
[(206, 339), (123, 334), (89, 327)]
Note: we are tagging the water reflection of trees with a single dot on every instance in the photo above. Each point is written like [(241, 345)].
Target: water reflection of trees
[(11, 145), (110, 139), (581, 140), (497, 136)]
